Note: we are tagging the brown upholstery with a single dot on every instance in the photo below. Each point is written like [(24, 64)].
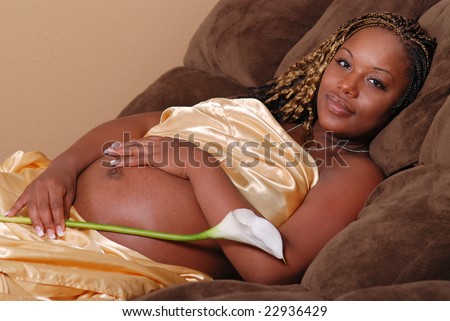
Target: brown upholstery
[(398, 249)]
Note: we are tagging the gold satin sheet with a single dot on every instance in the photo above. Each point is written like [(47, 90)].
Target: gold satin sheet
[(82, 265), (270, 169)]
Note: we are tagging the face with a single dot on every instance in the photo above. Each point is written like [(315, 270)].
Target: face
[(360, 86)]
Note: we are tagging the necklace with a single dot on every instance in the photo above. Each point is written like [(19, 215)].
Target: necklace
[(291, 129), (331, 146), (340, 146)]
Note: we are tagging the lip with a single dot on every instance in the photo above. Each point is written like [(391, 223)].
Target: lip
[(338, 106)]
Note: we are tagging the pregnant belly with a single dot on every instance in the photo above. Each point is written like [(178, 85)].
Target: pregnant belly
[(151, 199)]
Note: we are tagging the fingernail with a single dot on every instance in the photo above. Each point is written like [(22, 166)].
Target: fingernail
[(110, 150), (39, 231), (51, 234), (59, 231), (115, 145), (7, 213), (114, 162)]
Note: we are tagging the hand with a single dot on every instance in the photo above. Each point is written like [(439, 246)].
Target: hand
[(48, 198), (176, 157)]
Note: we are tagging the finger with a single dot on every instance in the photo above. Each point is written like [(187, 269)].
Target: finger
[(57, 211), (33, 214), (68, 202), (44, 212), (129, 148), (18, 205), (114, 150), (155, 157), (128, 161)]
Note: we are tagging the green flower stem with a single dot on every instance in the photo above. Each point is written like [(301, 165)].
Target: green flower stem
[(119, 229)]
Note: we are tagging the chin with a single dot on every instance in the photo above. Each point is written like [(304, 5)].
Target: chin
[(333, 125)]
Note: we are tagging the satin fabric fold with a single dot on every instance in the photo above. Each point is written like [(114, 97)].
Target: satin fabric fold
[(82, 265), (270, 169)]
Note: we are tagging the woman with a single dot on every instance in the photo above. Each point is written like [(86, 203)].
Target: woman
[(370, 70)]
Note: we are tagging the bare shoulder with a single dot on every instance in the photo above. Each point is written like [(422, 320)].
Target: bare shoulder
[(357, 169), (346, 184), (349, 182)]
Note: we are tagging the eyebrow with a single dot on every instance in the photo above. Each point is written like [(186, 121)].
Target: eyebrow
[(376, 68)]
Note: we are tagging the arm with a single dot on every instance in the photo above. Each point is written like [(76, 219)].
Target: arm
[(328, 208), (304, 234), (50, 196)]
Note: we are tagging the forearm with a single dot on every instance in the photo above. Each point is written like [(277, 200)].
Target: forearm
[(215, 192), (50, 196), (217, 196)]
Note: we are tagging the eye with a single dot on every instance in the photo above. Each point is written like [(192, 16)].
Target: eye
[(342, 63), (377, 83)]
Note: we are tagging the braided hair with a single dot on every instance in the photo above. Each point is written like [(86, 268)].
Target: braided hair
[(292, 96)]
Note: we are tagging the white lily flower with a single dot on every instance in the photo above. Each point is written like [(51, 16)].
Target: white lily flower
[(243, 225)]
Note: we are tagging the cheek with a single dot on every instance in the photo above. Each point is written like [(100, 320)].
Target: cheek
[(324, 86), (374, 118), (385, 106), (377, 121), (328, 78)]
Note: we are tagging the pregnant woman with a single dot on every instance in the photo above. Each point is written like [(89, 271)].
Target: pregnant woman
[(296, 155)]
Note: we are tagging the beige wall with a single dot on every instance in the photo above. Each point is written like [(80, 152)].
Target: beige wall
[(66, 66)]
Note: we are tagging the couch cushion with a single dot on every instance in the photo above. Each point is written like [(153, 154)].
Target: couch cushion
[(414, 291), (181, 86), (245, 40), (398, 145), (401, 236), (435, 147), (231, 290)]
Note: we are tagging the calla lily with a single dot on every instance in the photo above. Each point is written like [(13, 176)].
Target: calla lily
[(241, 225)]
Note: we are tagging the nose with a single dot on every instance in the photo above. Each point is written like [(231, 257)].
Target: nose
[(349, 85)]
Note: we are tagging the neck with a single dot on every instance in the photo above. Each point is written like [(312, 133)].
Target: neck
[(324, 138)]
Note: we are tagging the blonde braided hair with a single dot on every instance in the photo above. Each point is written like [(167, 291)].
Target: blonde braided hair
[(291, 97)]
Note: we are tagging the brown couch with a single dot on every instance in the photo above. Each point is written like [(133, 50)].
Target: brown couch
[(399, 247)]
